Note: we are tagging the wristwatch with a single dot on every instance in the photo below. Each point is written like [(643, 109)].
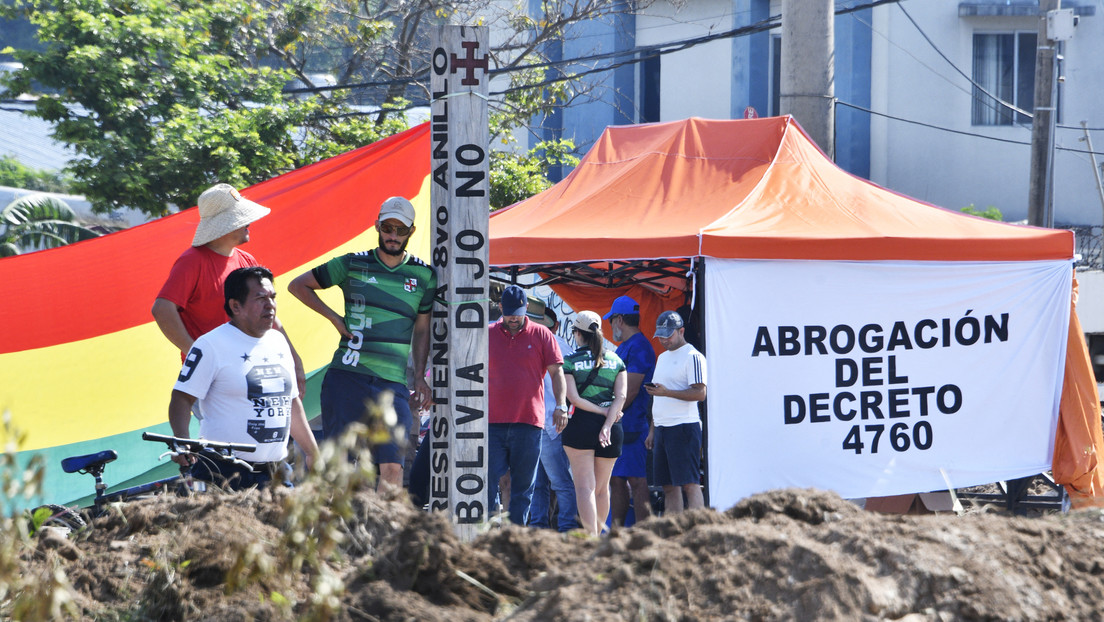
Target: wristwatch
[(562, 407)]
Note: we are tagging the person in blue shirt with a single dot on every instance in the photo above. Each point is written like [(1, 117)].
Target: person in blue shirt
[(630, 472)]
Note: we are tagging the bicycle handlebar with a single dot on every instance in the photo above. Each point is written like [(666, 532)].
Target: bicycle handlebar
[(196, 445)]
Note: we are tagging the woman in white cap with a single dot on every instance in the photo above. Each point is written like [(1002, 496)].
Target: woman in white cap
[(596, 385)]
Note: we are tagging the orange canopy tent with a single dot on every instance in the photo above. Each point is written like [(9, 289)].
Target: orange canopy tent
[(648, 201)]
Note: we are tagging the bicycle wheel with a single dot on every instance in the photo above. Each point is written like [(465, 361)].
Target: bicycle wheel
[(60, 516)]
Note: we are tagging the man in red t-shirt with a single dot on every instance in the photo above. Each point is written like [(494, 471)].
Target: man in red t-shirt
[(520, 353), (191, 301)]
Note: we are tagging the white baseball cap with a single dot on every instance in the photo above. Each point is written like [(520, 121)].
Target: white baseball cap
[(398, 208)]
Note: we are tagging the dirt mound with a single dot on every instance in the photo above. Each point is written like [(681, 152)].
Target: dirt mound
[(791, 554)]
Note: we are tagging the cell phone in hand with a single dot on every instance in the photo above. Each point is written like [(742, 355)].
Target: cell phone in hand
[(650, 385)]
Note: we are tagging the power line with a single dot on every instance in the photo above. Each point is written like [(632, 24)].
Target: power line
[(635, 55), (914, 57), (954, 131), (929, 125), (969, 79), (959, 71)]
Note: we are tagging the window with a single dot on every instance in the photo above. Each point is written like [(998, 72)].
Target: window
[(775, 76), (649, 89), (1004, 66)]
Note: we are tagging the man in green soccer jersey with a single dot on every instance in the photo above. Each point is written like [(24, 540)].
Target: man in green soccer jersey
[(388, 297)]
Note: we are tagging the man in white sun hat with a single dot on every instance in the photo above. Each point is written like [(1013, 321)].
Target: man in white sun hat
[(190, 302)]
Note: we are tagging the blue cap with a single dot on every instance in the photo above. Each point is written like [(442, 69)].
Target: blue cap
[(623, 306), (667, 323), (513, 301)]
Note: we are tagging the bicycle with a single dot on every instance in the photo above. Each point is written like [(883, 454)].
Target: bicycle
[(75, 519)]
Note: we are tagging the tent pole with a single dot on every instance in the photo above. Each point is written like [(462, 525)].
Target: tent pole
[(698, 310)]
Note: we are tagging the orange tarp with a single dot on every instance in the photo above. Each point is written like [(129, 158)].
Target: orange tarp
[(1077, 443), (753, 189), (761, 189)]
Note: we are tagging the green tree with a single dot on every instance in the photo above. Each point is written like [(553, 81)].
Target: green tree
[(517, 177), (39, 221), (161, 98), (387, 49), (991, 212), (15, 174)]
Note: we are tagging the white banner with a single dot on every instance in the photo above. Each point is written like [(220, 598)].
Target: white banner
[(881, 378)]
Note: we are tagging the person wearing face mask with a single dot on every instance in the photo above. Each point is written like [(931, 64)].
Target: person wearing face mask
[(388, 299), (630, 474)]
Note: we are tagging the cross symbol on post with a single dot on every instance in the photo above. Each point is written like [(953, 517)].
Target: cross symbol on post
[(470, 63)]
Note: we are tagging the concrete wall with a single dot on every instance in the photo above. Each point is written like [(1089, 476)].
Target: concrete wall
[(1090, 300), (696, 82)]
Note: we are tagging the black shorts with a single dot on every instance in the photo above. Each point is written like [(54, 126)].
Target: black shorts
[(677, 455), (582, 433)]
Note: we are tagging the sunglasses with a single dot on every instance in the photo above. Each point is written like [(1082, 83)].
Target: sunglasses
[(389, 229)]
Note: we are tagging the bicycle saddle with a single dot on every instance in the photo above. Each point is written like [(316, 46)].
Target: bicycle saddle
[(88, 462)]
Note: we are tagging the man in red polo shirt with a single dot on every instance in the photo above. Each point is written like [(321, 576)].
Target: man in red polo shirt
[(521, 352)]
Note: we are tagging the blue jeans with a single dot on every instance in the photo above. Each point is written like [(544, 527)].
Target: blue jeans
[(554, 473), (515, 447)]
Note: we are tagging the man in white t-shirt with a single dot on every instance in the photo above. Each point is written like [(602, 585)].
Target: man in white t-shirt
[(675, 436), (243, 375)]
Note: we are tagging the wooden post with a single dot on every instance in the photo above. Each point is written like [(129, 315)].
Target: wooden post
[(1040, 191), (460, 199)]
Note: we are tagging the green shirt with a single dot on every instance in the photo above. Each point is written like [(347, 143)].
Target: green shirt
[(600, 391), (381, 305)]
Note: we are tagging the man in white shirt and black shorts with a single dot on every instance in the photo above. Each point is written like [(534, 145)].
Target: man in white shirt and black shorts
[(243, 375), (678, 384)]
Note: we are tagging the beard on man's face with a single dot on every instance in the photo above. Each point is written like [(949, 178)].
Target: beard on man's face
[(384, 248)]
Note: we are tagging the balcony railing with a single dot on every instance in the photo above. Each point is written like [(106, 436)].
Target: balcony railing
[(1089, 245)]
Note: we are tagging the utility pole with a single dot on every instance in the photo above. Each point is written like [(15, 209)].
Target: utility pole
[(1092, 155), (806, 88), (1040, 192)]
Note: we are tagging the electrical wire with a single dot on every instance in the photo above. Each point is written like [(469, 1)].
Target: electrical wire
[(959, 132), (934, 71), (959, 71), (969, 79), (637, 54)]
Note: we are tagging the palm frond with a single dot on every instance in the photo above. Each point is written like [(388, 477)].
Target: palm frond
[(39, 221), (37, 207)]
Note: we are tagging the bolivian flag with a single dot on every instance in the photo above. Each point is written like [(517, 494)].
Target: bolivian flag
[(83, 366)]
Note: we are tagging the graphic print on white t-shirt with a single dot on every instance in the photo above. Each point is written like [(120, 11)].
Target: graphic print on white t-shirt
[(245, 387), (268, 387)]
